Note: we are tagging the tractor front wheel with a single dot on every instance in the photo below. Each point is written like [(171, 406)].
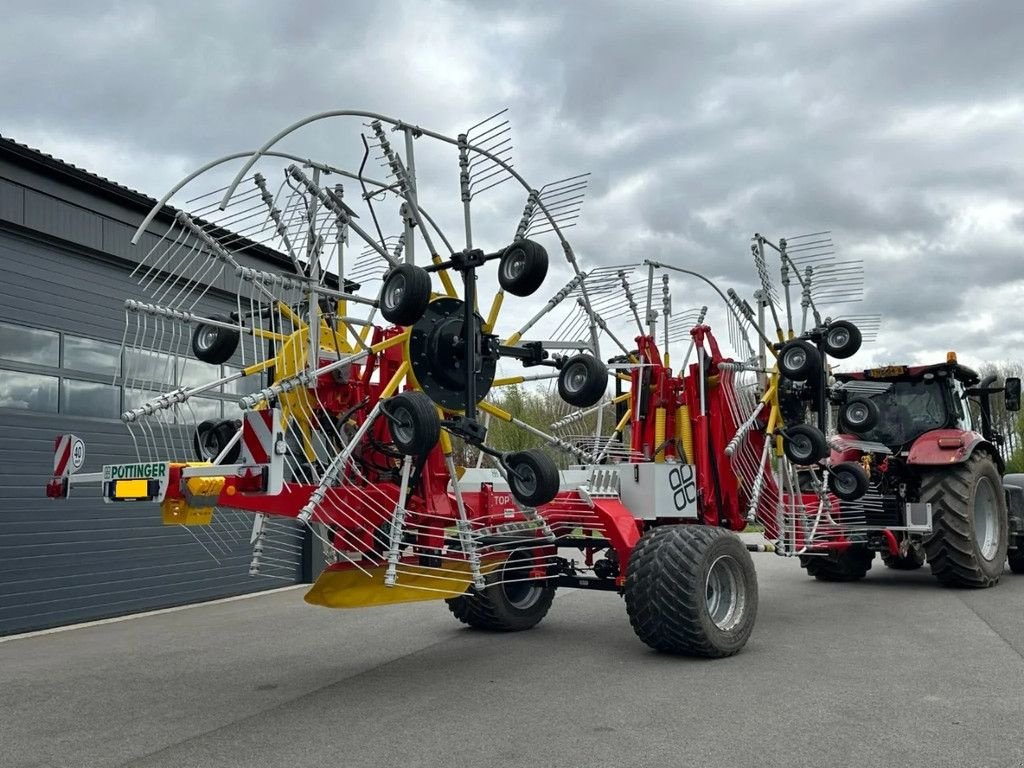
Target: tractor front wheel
[(850, 564), (511, 602), (692, 590), (968, 543)]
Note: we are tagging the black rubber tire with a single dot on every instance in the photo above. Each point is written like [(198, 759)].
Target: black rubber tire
[(414, 423), (212, 435), (667, 590), (850, 564), (799, 360), (914, 559), (1015, 559), (541, 482), (804, 444), (213, 344), (582, 381), (405, 294), (496, 609), (952, 548), (858, 415), (523, 267), (842, 339), (847, 480)]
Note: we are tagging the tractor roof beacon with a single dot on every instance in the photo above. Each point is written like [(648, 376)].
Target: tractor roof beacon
[(935, 464)]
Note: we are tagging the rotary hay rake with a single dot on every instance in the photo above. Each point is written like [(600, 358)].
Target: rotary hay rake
[(354, 406)]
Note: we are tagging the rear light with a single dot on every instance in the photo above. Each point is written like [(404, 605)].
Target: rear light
[(951, 442)]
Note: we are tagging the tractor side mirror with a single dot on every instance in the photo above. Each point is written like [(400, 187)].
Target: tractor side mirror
[(1012, 394)]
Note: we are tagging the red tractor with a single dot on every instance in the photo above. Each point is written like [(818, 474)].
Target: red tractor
[(931, 488)]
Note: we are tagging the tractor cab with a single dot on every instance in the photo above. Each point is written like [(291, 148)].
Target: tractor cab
[(920, 399), (925, 398)]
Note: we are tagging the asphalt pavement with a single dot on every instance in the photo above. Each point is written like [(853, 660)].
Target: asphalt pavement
[(892, 671)]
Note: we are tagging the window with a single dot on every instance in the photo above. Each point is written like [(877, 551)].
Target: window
[(195, 373), (90, 398), (155, 367), (243, 386), (202, 408), (30, 391), (21, 344), (91, 356)]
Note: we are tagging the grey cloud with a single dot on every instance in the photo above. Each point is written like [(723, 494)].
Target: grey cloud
[(890, 123)]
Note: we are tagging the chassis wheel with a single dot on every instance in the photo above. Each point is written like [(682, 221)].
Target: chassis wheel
[(414, 423), (212, 436), (848, 480), (512, 605), (967, 547), (691, 589), (842, 339), (914, 559), (850, 564), (804, 444), (532, 477), (582, 381), (213, 344), (405, 294), (523, 267), (858, 415), (799, 360)]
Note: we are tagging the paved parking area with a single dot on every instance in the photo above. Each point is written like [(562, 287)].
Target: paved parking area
[(893, 671)]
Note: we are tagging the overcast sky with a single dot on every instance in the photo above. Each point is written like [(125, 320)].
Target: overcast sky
[(897, 125)]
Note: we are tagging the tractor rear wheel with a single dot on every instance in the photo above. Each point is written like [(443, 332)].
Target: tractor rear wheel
[(510, 602), (691, 589), (850, 564), (968, 543)]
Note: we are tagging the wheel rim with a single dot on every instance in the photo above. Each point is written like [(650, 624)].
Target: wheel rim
[(525, 479), (986, 529), (844, 483), (514, 265), (857, 414), (723, 593), (800, 447), (796, 358), (207, 337), (520, 593), (395, 291), (402, 429), (209, 445), (838, 338), (575, 378)]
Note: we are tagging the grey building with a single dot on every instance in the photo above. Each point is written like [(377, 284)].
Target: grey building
[(65, 264)]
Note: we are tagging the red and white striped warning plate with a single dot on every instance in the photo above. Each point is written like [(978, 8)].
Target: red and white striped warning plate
[(68, 455), (258, 437)]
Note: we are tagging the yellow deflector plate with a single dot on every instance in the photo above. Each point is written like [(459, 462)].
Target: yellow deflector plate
[(353, 588)]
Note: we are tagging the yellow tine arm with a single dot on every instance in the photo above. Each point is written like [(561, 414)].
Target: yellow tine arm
[(492, 316)]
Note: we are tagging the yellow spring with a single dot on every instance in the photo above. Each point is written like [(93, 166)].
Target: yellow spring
[(684, 432), (659, 435)]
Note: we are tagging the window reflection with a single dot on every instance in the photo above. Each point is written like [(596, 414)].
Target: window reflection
[(29, 345), (31, 391), (90, 355), (87, 398), (195, 373), (243, 386), (155, 367), (202, 408)]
